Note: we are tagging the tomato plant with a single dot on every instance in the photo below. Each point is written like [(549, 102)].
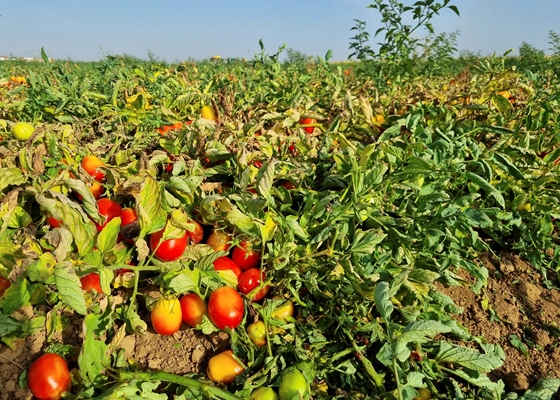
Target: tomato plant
[(22, 131), (193, 309), (224, 263), (4, 284), (223, 368), (251, 279), (91, 281), (166, 316), (293, 384), (108, 209), (91, 165), (257, 333), (245, 256), (226, 308), (264, 393), (170, 249), (48, 377), (219, 240)]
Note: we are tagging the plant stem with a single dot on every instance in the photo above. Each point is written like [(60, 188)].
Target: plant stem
[(209, 389)]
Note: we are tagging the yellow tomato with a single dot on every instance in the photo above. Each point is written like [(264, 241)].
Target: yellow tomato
[(22, 131), (257, 333), (207, 112), (223, 368), (283, 311), (423, 394)]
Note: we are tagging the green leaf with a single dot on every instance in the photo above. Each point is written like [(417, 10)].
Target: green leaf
[(243, 222), (93, 354), (293, 225), (365, 242), (268, 229), (9, 326), (486, 186), (11, 176), (468, 358), (151, 215), (544, 389), (107, 238), (265, 178), (382, 300), (69, 287), (186, 281), (15, 297)]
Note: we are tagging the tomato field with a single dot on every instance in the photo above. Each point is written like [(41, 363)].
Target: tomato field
[(280, 230)]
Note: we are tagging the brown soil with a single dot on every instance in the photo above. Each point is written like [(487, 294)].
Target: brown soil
[(514, 303)]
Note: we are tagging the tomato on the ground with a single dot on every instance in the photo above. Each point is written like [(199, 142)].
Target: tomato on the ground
[(22, 131), (170, 249), (219, 240), (48, 377), (251, 279), (166, 316), (193, 309), (4, 284), (223, 368), (245, 256), (91, 165), (91, 281), (226, 308), (257, 333), (293, 384), (224, 263), (109, 210)]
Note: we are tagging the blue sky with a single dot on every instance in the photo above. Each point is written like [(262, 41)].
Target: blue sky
[(178, 30)]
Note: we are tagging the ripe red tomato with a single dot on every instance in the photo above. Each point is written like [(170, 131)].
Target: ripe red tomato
[(109, 210), (170, 249), (197, 234), (166, 316), (193, 309), (4, 284), (226, 308), (49, 377), (224, 263), (223, 368), (129, 225), (245, 256), (91, 281), (257, 163), (90, 164), (251, 279), (219, 240), (53, 222), (308, 121)]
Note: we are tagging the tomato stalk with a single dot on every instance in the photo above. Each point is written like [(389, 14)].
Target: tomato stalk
[(210, 390)]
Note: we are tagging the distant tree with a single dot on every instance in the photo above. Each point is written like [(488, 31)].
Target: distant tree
[(294, 56), (554, 41)]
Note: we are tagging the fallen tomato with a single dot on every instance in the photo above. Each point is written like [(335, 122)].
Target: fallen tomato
[(170, 249), (226, 308), (48, 377), (223, 368), (245, 257), (251, 279), (193, 309), (166, 316)]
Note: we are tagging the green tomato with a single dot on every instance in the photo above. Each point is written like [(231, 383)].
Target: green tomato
[(423, 394), (264, 393), (293, 384), (22, 131)]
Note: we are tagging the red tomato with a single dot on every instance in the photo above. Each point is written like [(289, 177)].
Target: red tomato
[(4, 284), (49, 377), (287, 184), (129, 225), (245, 257), (219, 240), (170, 249), (90, 164), (166, 316), (53, 222), (224, 263), (91, 281), (109, 210), (308, 121), (257, 163), (251, 279), (193, 309), (198, 233), (226, 308)]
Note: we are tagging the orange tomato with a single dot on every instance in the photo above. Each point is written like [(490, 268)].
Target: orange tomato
[(166, 316), (219, 240), (193, 309), (223, 368), (90, 164)]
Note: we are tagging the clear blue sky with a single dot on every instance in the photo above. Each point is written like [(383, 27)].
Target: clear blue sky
[(178, 30)]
